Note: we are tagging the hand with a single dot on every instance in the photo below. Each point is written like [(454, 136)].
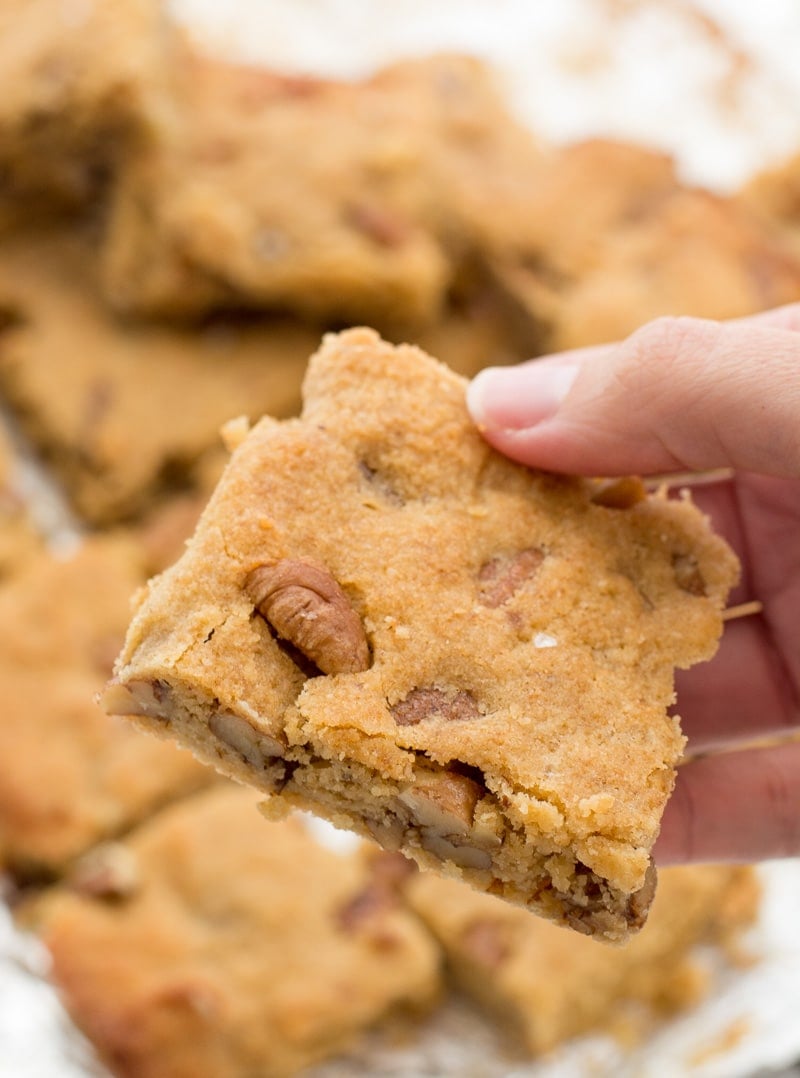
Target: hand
[(680, 395)]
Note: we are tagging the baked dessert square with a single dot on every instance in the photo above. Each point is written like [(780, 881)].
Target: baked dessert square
[(80, 84), (209, 943), (382, 620), (546, 986), (614, 239), (344, 201), (125, 414), (70, 776)]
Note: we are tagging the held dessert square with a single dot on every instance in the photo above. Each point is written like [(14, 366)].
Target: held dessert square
[(382, 620)]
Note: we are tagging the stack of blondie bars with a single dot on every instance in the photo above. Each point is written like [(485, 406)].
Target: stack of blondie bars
[(377, 617)]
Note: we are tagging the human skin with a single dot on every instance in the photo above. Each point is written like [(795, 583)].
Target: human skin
[(688, 395)]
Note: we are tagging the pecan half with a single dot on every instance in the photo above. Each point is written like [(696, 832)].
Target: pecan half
[(306, 606), (501, 576), (434, 703)]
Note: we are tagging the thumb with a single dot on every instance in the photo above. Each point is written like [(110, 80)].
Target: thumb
[(679, 394)]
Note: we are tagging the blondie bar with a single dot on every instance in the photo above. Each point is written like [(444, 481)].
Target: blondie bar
[(126, 413), (547, 985), (80, 83), (381, 619), (70, 776), (615, 240), (212, 944), (346, 201)]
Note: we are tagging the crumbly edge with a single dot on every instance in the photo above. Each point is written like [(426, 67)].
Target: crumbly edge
[(488, 852)]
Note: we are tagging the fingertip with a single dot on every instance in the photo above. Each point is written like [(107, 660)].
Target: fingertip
[(478, 390), (519, 398)]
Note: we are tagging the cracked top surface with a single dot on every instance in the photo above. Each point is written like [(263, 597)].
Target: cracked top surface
[(513, 625)]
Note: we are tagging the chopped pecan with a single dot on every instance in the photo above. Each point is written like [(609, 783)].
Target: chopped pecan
[(308, 608), (443, 800), (621, 493), (431, 703), (443, 805), (383, 226), (256, 747), (485, 942), (374, 899), (641, 900), (502, 576), (138, 697), (688, 575), (109, 871), (460, 853)]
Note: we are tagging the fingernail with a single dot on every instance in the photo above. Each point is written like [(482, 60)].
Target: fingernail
[(516, 398)]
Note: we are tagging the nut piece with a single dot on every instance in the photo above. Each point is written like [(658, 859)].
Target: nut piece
[(621, 493), (443, 800), (485, 942), (146, 698), (373, 901), (239, 735), (688, 575), (305, 605), (502, 576), (108, 871), (383, 226), (447, 850), (641, 900), (434, 703)]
